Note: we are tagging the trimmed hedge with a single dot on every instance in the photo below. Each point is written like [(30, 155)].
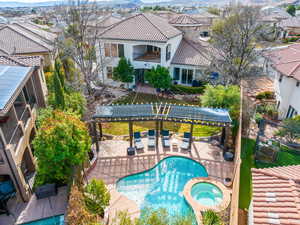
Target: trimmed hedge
[(181, 89)]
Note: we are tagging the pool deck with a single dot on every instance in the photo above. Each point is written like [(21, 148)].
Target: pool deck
[(113, 163), (36, 209)]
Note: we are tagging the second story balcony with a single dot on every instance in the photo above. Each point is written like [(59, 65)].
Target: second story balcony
[(147, 53)]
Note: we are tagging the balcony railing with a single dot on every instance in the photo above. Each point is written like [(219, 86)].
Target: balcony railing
[(25, 116), (16, 136), (149, 57)]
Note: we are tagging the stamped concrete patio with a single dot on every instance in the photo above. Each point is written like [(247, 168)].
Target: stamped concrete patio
[(113, 163)]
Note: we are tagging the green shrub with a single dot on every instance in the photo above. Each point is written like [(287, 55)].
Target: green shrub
[(258, 117), (181, 89), (265, 95), (96, 197), (210, 217)]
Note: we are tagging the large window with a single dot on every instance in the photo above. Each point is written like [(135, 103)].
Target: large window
[(291, 112), (113, 50), (187, 76), (176, 73)]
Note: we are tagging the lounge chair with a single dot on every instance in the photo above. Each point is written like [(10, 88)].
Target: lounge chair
[(186, 141), (138, 141), (151, 138), (165, 138)]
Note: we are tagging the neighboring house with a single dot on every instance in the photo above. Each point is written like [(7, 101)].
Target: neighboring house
[(27, 39), (275, 196), (21, 94), (192, 28), (290, 26), (104, 22), (206, 19), (283, 65), (147, 41)]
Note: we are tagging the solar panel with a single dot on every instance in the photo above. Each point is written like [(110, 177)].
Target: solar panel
[(10, 79)]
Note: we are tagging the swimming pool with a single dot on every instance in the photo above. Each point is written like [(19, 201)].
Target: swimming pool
[(162, 186), (55, 220), (207, 194)]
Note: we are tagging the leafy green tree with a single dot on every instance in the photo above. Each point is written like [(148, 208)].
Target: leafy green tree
[(154, 217), (61, 143), (291, 129), (214, 11), (123, 218), (159, 77), (291, 9), (210, 217), (75, 102), (96, 197), (124, 71), (59, 98), (227, 97)]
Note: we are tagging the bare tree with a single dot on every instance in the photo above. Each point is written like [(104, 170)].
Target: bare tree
[(234, 43), (81, 39)]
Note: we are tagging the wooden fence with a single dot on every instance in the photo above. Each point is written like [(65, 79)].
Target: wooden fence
[(234, 210)]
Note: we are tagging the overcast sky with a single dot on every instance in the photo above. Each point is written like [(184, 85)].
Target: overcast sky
[(60, 0)]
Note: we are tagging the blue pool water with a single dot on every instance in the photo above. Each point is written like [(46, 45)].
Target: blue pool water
[(207, 194), (162, 186), (56, 220)]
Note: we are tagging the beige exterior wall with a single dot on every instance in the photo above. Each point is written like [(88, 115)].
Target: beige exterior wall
[(15, 156)]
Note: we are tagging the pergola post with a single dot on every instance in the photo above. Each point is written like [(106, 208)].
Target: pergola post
[(95, 136), (100, 130), (191, 139), (130, 134), (227, 137), (223, 135), (156, 133), (161, 125)]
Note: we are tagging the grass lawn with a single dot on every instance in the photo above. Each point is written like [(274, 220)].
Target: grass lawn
[(122, 128), (147, 98), (286, 157), (245, 178)]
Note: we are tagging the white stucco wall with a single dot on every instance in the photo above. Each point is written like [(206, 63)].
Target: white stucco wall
[(128, 53), (287, 93)]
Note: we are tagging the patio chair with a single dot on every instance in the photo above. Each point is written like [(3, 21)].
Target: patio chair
[(138, 140), (151, 138), (165, 138), (186, 141)]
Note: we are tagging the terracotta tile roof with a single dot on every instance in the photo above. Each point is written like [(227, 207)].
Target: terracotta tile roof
[(192, 53), (184, 20), (108, 21), (291, 22), (14, 40), (142, 27), (286, 60), (276, 195), (36, 31), (20, 60)]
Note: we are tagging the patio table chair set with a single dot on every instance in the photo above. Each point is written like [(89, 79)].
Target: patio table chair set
[(165, 137)]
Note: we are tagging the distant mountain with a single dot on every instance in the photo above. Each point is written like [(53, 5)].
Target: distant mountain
[(29, 4)]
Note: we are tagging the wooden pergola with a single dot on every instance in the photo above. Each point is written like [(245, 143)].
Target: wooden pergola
[(159, 112)]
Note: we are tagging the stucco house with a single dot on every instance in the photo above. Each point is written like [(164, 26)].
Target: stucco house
[(283, 66), (275, 196), (147, 41), (22, 92), (27, 39)]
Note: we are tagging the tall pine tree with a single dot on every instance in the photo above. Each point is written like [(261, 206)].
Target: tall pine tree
[(60, 71)]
